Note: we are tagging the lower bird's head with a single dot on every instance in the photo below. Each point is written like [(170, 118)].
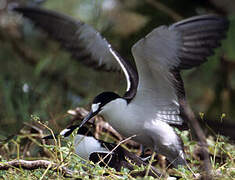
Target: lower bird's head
[(99, 104)]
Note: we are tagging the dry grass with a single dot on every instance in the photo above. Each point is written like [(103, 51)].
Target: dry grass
[(28, 145)]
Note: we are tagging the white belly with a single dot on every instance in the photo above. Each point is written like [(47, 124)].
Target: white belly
[(128, 120), (142, 120)]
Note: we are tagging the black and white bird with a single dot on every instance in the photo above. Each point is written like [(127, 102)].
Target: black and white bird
[(107, 154), (151, 104), (86, 145)]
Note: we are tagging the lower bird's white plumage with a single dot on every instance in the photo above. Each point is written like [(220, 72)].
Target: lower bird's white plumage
[(85, 145)]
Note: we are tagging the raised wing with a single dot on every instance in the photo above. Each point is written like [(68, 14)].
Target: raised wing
[(82, 41), (165, 51), (200, 35)]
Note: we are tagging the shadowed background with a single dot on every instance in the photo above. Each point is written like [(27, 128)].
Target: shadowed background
[(38, 78)]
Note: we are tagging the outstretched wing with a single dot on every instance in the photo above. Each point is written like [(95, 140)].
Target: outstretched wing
[(200, 35), (167, 50), (82, 41)]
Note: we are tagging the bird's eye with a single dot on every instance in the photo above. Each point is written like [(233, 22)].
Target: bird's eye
[(95, 107)]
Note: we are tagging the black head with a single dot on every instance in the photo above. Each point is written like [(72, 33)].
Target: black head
[(98, 103), (104, 98)]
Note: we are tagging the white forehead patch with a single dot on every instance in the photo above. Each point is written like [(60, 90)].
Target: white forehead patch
[(95, 107)]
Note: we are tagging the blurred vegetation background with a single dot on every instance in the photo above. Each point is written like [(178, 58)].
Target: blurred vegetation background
[(38, 78)]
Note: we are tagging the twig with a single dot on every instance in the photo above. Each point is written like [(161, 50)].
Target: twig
[(45, 172), (31, 165), (189, 116), (150, 164), (121, 142)]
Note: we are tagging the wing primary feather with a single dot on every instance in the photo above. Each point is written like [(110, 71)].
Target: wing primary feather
[(200, 35), (200, 51), (83, 42), (164, 52)]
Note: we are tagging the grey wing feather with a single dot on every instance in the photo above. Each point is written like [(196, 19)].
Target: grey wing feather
[(170, 116), (185, 44), (166, 50), (199, 36), (84, 42)]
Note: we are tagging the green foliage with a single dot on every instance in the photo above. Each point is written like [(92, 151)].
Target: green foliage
[(222, 155), (37, 77)]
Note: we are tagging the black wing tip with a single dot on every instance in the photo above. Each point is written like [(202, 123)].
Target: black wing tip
[(226, 23), (209, 18), (222, 20), (200, 44)]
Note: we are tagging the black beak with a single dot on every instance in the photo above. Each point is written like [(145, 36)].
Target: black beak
[(88, 117), (66, 132)]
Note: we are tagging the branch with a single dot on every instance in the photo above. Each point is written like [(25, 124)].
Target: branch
[(121, 142), (189, 116), (31, 165)]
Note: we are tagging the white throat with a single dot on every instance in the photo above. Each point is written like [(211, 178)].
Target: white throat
[(117, 114), (114, 108)]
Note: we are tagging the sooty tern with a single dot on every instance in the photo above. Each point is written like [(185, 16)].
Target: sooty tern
[(107, 154), (150, 106)]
